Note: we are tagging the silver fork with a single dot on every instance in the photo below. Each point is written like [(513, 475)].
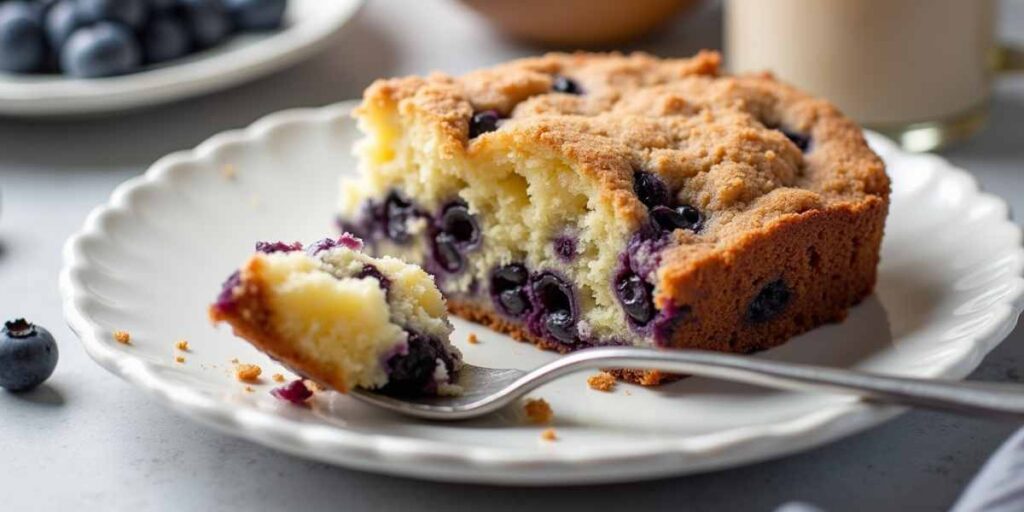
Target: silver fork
[(488, 389)]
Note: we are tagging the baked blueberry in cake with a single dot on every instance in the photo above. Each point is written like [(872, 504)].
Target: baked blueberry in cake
[(578, 200), (342, 318)]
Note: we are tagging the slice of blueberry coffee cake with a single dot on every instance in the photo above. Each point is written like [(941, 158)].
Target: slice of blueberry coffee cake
[(342, 318), (586, 199)]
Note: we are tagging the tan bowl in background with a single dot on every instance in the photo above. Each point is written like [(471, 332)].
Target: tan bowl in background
[(578, 22)]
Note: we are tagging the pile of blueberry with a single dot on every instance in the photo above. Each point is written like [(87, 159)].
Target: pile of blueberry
[(99, 38)]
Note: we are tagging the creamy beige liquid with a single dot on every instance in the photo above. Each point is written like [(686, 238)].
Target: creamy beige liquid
[(882, 61)]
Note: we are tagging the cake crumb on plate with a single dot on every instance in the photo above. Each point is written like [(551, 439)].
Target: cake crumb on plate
[(549, 434), (538, 410), (182, 345), (277, 377), (123, 337), (603, 381), (247, 372), (179, 360), (472, 339), (229, 172)]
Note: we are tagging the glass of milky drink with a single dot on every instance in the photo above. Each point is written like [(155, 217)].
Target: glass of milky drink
[(919, 71)]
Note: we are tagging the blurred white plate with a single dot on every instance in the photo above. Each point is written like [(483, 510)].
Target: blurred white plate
[(151, 260), (309, 25)]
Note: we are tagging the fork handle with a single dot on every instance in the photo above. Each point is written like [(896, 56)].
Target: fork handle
[(971, 398)]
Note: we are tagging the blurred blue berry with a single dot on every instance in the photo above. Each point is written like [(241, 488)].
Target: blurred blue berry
[(100, 50)]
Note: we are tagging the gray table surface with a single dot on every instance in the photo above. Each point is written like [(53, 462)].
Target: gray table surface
[(90, 441)]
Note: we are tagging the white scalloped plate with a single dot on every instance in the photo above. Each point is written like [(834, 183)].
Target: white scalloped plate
[(149, 261), (310, 25)]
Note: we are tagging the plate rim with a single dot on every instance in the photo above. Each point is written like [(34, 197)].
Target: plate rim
[(30, 96), (435, 460)]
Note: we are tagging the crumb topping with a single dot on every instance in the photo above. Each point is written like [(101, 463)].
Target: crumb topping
[(549, 434), (603, 381), (247, 372), (715, 138), (123, 337), (538, 410)]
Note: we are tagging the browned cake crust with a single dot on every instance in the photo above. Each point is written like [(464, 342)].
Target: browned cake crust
[(830, 263), (811, 220), (249, 319)]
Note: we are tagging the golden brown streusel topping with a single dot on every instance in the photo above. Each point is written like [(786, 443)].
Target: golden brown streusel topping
[(538, 411), (123, 337), (712, 138), (549, 434), (247, 372), (603, 381)]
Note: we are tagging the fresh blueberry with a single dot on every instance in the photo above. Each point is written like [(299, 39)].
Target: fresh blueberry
[(650, 190), (100, 50), (447, 254), (398, 211), (412, 372), (457, 222), (483, 122), (22, 37), (769, 302), (565, 85), (556, 310), (207, 21), (801, 140), (28, 355), (255, 15), (61, 21), (132, 13), (682, 217), (635, 295), (165, 38), (508, 289), (273, 247)]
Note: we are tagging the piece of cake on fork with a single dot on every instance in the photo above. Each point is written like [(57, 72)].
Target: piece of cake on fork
[(342, 318), (578, 200)]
